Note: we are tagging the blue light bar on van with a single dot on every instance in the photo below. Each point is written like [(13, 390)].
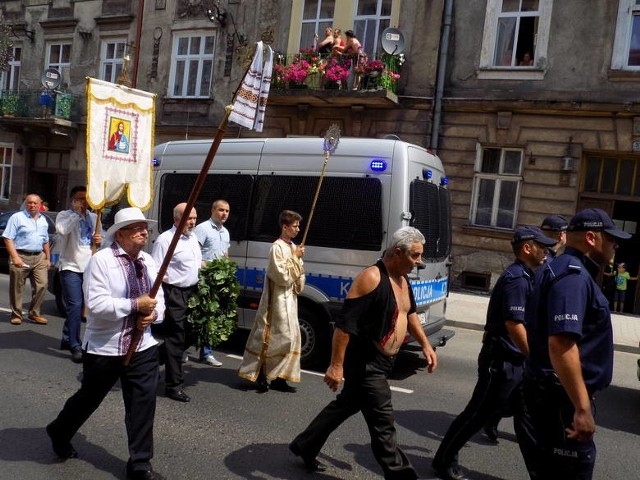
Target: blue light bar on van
[(427, 174), (378, 165), (155, 162), (444, 181)]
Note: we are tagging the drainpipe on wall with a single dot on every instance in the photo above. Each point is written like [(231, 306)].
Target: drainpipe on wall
[(134, 73), (442, 67)]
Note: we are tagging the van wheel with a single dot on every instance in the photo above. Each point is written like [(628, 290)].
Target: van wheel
[(314, 341)]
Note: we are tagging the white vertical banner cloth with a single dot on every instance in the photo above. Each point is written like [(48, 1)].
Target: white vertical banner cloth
[(250, 103), (120, 142)]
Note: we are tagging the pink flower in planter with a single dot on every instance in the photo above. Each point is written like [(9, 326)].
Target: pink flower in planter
[(334, 72)]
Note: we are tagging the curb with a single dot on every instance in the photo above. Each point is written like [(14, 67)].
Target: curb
[(474, 326)]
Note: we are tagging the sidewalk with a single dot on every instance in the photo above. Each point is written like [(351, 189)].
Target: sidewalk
[(468, 310)]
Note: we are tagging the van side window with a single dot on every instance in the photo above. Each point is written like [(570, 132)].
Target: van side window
[(431, 209), (348, 213), (235, 189)]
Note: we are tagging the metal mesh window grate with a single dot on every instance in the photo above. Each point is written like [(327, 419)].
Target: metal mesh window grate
[(235, 189), (430, 208), (348, 213)]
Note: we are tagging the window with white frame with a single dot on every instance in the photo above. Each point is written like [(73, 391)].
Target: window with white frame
[(496, 187), (59, 57), (516, 37), (372, 17), (9, 79), (316, 16), (112, 59), (626, 46), (6, 165), (191, 66)]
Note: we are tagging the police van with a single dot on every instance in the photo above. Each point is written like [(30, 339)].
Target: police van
[(371, 188)]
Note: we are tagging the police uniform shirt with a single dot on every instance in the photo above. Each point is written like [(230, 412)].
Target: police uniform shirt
[(508, 302), (571, 303)]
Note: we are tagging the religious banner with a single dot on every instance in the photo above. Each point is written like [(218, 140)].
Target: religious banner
[(120, 133), (250, 103)]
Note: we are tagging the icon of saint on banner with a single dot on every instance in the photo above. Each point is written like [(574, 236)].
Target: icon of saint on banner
[(119, 139)]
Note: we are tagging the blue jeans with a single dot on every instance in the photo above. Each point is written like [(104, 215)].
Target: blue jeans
[(205, 351), (72, 291)]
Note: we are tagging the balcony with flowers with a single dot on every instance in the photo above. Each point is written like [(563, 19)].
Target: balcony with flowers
[(308, 77)]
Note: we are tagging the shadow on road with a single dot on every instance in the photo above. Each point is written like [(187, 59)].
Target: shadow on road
[(255, 461), (617, 409), (32, 445)]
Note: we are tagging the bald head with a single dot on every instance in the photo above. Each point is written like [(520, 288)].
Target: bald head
[(190, 223)]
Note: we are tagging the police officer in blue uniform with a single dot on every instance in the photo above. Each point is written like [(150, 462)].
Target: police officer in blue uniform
[(504, 347), (555, 226), (570, 351)]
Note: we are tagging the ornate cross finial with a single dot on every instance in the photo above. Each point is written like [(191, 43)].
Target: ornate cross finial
[(331, 139)]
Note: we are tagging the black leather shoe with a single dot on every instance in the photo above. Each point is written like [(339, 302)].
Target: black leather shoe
[(281, 385), (262, 384), (492, 433), (76, 356), (142, 474), (452, 472), (62, 449), (177, 395), (64, 345), (310, 464)]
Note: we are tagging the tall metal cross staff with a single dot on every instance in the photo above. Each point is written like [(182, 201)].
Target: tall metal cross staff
[(331, 141)]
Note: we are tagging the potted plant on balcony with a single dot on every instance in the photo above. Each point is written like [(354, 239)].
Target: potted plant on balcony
[(9, 103), (315, 69), (335, 75), (389, 80), (296, 73), (373, 70), (63, 105)]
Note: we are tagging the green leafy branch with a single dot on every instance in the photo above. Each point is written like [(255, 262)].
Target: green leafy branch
[(212, 312)]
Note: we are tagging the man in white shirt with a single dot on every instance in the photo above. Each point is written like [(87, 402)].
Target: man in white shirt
[(214, 240), (178, 283), (116, 285), (75, 228)]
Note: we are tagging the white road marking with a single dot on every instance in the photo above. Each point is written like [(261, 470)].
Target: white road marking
[(318, 374)]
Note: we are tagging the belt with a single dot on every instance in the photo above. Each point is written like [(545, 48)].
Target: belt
[(28, 252)]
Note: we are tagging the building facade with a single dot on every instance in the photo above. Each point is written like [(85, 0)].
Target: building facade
[(540, 116), (531, 104)]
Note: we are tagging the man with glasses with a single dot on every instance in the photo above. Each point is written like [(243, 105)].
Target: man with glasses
[(571, 350), (75, 228), (178, 283), (504, 348), (117, 281)]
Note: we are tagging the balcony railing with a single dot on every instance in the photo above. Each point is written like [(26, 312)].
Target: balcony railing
[(40, 104), (309, 70)]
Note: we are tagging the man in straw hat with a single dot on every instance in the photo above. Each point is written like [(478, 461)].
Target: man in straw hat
[(570, 350), (116, 285)]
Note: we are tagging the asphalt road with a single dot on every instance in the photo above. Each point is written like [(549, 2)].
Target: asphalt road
[(229, 431)]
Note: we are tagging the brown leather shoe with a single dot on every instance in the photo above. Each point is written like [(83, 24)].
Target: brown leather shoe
[(16, 321), (38, 319)]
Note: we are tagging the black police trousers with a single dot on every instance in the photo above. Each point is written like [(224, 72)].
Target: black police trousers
[(548, 412), (498, 385)]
